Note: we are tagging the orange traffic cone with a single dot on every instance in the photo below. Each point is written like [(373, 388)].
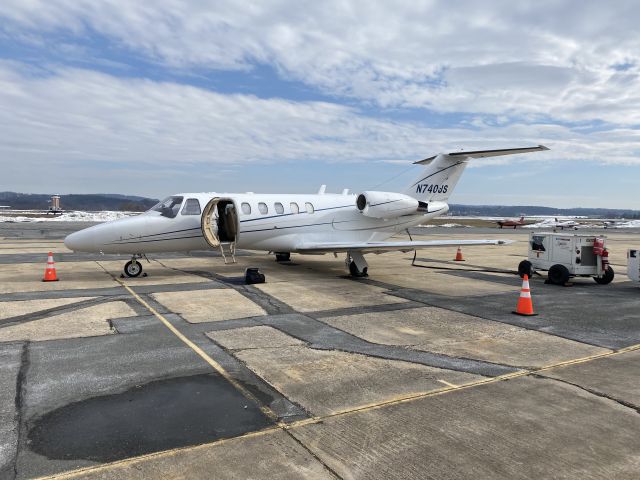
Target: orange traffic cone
[(459, 256), (50, 272), (525, 306)]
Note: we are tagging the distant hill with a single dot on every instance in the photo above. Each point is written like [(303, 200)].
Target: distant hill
[(517, 210), (93, 202)]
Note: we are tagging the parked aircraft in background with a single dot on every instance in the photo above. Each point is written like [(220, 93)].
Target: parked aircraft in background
[(511, 223), (290, 223), (564, 224), (555, 224), (613, 223)]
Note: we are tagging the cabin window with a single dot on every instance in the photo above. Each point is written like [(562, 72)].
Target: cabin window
[(309, 207), (279, 208), (191, 207), (294, 207), (246, 208), (262, 207), (169, 207)]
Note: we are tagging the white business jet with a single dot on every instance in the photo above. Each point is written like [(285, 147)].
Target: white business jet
[(284, 224)]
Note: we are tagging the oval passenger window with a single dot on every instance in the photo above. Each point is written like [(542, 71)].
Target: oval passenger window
[(262, 207), (279, 208), (294, 207), (309, 207), (246, 208)]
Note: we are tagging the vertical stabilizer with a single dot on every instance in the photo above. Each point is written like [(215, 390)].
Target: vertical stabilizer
[(437, 179)]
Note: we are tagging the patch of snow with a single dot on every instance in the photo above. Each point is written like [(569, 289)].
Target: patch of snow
[(17, 219), (629, 224), (70, 216), (445, 225), (106, 216)]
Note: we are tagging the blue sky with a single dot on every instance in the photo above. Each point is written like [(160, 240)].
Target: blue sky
[(150, 99)]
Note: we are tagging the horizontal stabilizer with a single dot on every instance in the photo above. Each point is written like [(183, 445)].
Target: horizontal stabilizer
[(488, 153), (381, 247)]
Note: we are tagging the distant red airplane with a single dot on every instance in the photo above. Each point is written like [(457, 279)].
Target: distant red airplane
[(511, 223)]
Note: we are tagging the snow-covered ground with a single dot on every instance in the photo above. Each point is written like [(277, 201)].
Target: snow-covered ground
[(445, 225), (629, 224), (516, 217), (28, 216)]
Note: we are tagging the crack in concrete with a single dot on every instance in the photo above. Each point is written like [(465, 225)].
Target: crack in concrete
[(597, 393), (316, 457)]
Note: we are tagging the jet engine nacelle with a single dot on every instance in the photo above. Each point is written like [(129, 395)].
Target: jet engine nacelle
[(386, 204)]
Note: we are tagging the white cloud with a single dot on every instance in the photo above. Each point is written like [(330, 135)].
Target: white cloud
[(538, 59), (74, 116)]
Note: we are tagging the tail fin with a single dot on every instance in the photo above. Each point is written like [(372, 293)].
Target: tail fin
[(438, 179), (442, 172)]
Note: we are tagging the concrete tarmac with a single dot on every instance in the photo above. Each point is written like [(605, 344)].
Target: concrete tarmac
[(417, 371)]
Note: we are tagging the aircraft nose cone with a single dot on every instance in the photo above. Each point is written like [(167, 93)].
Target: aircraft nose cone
[(81, 241)]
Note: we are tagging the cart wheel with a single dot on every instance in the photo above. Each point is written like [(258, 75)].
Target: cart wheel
[(606, 278), (132, 269), (558, 274), (525, 268)]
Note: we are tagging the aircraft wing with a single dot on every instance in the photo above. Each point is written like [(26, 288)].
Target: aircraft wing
[(381, 247)]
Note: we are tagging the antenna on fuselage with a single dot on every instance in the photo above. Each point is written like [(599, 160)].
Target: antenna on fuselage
[(322, 189)]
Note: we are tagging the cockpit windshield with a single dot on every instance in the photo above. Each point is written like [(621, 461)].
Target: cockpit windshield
[(169, 207)]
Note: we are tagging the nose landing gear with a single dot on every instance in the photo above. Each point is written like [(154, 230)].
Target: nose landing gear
[(133, 268)]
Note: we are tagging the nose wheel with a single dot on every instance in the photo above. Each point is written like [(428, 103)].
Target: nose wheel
[(133, 268)]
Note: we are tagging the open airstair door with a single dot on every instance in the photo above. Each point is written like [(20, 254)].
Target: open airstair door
[(220, 225)]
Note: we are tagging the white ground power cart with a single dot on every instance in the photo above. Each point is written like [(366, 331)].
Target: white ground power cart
[(567, 255), (633, 264)]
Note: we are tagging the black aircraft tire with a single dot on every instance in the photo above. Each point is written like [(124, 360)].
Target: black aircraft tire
[(283, 256), (353, 270), (606, 278), (525, 267), (132, 270), (558, 274)]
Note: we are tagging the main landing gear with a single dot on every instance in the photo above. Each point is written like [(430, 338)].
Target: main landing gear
[(283, 256), (133, 268), (357, 264)]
